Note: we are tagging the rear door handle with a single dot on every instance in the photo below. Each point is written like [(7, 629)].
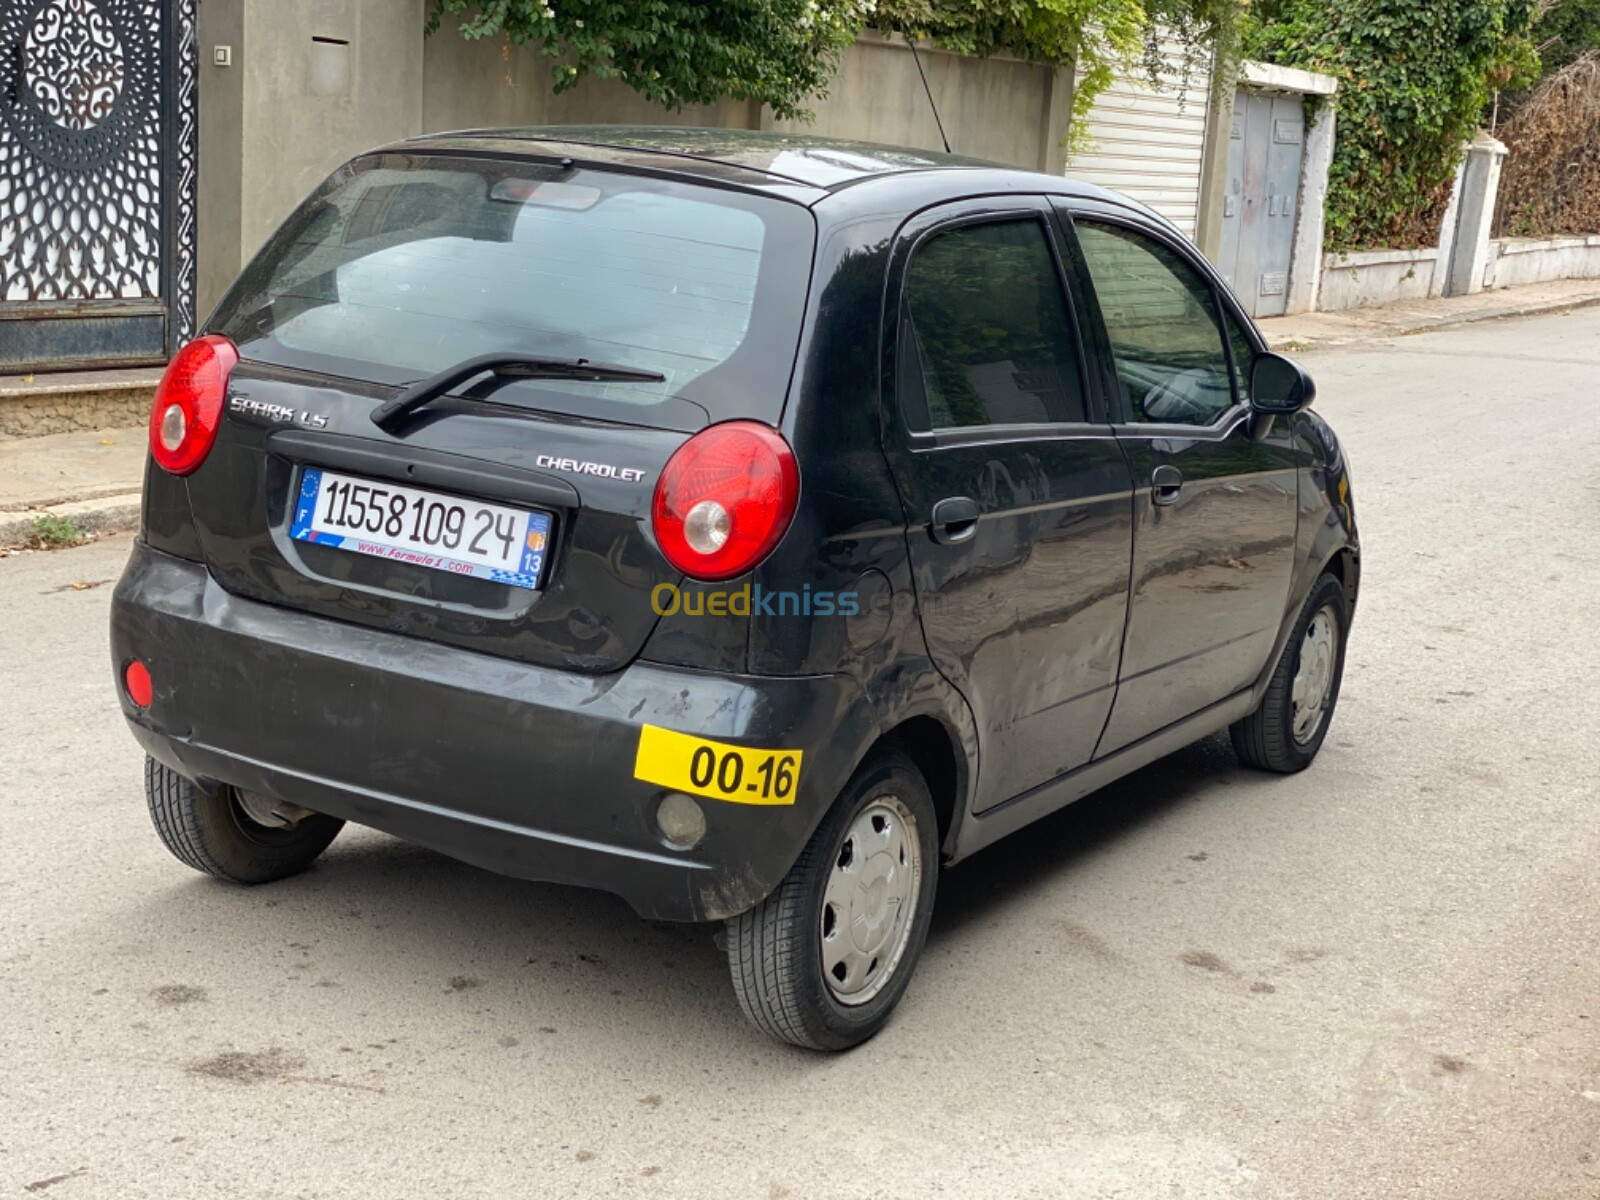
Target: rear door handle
[(955, 520), (1165, 484)]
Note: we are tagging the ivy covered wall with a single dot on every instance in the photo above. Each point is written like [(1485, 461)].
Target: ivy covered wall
[(1415, 78)]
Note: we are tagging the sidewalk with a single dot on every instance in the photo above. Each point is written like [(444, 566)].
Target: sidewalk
[(1319, 331), (93, 478)]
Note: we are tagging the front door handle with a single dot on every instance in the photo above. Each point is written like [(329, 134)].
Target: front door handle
[(1165, 484), (955, 520)]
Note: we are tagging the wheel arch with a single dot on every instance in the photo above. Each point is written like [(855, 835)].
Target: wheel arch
[(936, 751), (1345, 566), (1331, 553)]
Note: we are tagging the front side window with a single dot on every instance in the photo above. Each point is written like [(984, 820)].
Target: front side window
[(1244, 355), (985, 338), (1161, 316)]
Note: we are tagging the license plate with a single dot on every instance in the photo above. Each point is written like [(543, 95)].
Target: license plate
[(737, 774), (427, 529)]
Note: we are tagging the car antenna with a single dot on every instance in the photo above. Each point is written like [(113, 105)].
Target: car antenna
[(917, 58)]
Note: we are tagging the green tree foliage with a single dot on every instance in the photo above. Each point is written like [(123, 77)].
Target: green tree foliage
[(1564, 30), (1414, 79)]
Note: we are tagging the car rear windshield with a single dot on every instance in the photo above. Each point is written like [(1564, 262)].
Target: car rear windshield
[(400, 267)]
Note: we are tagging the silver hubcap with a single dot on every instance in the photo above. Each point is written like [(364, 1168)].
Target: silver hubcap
[(1314, 678), (869, 901)]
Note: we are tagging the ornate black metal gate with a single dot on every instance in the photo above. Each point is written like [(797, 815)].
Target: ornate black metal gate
[(98, 133)]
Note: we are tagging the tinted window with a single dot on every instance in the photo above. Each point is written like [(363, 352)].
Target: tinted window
[(1244, 355), (988, 327), (403, 267), (1160, 314)]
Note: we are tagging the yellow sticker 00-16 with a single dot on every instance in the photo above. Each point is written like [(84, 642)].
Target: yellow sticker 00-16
[(737, 774)]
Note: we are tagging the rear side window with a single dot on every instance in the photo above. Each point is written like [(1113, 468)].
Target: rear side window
[(402, 267), (985, 336)]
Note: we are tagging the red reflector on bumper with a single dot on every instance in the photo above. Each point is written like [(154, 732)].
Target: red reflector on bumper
[(136, 679)]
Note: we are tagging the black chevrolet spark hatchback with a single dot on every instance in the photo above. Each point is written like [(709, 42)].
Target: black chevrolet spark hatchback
[(750, 526)]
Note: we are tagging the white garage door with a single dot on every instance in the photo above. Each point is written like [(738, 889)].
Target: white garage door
[(1150, 142)]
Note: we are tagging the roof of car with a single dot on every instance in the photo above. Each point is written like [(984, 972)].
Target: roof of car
[(805, 159), (802, 167)]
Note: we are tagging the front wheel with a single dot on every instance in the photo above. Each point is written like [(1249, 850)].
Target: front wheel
[(1286, 730), (822, 961)]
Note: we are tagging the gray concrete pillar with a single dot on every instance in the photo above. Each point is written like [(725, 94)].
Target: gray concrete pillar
[(1440, 284), (1480, 187), (1305, 262), (1055, 120), (1214, 160)]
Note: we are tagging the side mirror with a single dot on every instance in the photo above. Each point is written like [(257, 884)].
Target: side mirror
[(1280, 387)]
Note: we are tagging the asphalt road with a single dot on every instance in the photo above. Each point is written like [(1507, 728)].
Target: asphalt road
[(1377, 979)]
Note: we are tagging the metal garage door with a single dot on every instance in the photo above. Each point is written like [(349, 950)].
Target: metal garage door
[(1150, 142)]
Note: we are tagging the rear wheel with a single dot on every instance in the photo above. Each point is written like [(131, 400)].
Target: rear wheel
[(1286, 730), (231, 834), (822, 962)]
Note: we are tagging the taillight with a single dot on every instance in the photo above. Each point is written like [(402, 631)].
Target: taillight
[(188, 408), (725, 499)]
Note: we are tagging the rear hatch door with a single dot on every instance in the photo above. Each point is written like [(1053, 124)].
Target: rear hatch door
[(510, 516)]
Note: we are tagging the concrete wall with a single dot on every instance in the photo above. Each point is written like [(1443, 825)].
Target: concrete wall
[(995, 108), (312, 82), (491, 83), (1367, 277), (1464, 261), (297, 132), (1516, 261), (1370, 277)]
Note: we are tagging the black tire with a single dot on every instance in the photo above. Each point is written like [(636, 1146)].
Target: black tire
[(211, 833), (1266, 738), (775, 949)]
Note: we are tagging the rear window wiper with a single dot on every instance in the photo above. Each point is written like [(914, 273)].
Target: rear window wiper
[(507, 367)]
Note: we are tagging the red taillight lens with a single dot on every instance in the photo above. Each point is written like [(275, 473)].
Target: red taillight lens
[(188, 408), (725, 499), (136, 679)]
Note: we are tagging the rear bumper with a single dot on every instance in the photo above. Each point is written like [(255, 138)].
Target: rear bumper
[(520, 769)]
